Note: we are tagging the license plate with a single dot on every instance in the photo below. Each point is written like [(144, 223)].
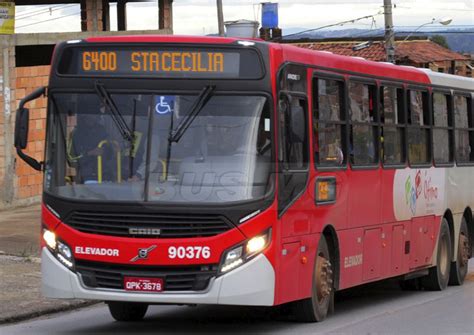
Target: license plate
[(143, 284)]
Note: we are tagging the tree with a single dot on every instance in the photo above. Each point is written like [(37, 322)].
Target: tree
[(440, 40)]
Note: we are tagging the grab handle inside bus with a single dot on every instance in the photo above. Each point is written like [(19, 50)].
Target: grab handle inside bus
[(21, 128), (116, 146)]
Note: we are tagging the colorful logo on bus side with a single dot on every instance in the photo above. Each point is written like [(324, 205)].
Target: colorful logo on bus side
[(413, 191), (418, 192)]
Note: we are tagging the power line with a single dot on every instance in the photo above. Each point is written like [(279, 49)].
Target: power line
[(55, 18), (20, 13), (335, 24), (450, 26), (435, 32), (41, 11)]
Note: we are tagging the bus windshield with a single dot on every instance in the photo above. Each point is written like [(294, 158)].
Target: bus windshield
[(223, 156)]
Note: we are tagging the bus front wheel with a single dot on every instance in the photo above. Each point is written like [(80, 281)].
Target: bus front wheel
[(127, 311), (438, 276), (316, 308)]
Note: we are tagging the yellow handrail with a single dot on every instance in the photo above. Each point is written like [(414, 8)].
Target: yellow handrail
[(119, 161), (163, 165)]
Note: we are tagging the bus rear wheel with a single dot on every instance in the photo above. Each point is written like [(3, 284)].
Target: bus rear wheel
[(438, 277), (459, 267), (127, 311), (316, 308)]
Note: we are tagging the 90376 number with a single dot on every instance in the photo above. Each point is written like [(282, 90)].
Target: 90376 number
[(189, 252)]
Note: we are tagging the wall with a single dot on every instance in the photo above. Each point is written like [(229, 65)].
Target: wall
[(28, 79), (19, 183), (7, 107)]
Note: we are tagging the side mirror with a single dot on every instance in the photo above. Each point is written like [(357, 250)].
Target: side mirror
[(21, 127), (297, 123)]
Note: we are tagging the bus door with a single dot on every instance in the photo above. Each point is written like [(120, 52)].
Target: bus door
[(293, 176)]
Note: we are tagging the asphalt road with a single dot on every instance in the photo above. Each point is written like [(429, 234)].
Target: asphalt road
[(378, 308)]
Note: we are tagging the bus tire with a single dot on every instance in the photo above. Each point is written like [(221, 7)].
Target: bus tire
[(127, 311), (438, 277), (459, 267), (316, 308)]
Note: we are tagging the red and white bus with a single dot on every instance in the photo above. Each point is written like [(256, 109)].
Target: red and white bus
[(202, 170)]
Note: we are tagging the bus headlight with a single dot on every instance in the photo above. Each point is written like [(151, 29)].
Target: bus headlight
[(64, 255), (239, 255), (59, 249), (50, 239)]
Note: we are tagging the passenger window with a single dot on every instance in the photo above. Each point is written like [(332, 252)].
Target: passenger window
[(364, 132), (392, 119), (329, 123), (418, 129), (464, 129), (442, 129), (293, 149), (293, 133)]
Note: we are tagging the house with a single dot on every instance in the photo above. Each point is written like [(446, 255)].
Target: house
[(418, 53)]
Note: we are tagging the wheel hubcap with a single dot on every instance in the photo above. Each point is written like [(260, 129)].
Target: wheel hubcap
[(463, 249), (443, 262), (324, 279)]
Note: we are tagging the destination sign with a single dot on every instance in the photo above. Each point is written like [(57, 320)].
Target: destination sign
[(164, 63)]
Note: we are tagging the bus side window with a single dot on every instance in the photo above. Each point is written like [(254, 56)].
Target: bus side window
[(293, 125), (329, 123), (418, 129), (363, 132), (464, 123), (442, 129), (391, 115)]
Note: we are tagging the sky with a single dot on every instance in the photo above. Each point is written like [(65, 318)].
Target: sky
[(198, 17)]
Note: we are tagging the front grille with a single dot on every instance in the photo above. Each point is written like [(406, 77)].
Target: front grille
[(182, 278), (169, 225)]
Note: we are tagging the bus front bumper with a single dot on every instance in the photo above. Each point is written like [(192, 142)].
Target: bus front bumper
[(252, 284)]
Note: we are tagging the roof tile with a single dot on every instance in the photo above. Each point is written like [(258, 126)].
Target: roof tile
[(416, 51)]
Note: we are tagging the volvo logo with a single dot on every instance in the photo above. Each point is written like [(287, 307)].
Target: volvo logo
[(144, 231), (143, 253)]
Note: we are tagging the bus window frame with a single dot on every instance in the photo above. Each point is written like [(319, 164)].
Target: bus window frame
[(426, 92), (316, 75), (401, 125), (302, 96), (374, 124), (262, 203), (470, 119), (450, 127)]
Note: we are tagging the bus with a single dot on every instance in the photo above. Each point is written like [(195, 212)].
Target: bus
[(208, 170)]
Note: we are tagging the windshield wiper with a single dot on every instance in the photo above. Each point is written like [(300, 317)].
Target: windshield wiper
[(175, 135), (114, 112), (198, 105)]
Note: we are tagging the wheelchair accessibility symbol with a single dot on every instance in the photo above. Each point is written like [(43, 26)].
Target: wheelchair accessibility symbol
[(165, 105)]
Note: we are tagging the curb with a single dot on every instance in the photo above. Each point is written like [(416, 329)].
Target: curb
[(51, 310)]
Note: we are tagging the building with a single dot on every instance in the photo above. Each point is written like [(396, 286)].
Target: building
[(24, 67), (418, 53)]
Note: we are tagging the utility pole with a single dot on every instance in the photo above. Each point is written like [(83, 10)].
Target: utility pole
[(220, 17), (389, 32)]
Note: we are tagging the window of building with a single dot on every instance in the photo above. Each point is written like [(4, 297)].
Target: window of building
[(329, 122), (464, 129), (364, 129), (418, 128), (393, 125), (442, 129)]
